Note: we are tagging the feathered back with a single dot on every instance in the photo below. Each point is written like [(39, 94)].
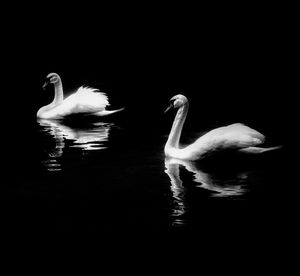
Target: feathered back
[(85, 100), (88, 94)]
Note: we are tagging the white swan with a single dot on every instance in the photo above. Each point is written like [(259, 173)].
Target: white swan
[(232, 137), (85, 101)]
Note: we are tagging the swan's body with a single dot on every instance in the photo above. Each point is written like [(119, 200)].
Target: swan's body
[(85, 101), (237, 137)]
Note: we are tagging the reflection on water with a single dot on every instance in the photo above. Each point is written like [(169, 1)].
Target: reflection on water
[(91, 137), (172, 170), (219, 183)]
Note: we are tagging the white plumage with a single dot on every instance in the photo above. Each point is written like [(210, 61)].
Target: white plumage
[(232, 137), (85, 101)]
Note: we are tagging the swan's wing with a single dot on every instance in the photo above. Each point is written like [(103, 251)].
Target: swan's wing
[(235, 136), (85, 100)]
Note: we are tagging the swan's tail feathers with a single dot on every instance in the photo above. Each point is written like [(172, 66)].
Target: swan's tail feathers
[(91, 95), (257, 150), (108, 112)]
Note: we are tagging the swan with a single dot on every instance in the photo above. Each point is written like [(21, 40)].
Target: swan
[(238, 137), (85, 101)]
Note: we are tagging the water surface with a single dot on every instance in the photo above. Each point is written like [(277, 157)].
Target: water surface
[(104, 176)]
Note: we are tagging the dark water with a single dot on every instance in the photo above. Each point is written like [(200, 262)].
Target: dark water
[(108, 176), (112, 175)]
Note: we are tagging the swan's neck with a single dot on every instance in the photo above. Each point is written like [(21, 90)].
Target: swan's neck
[(58, 93), (58, 99), (174, 136)]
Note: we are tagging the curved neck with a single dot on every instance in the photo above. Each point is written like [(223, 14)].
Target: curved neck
[(58, 99), (58, 93), (174, 136)]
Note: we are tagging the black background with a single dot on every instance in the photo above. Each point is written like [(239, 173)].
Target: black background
[(235, 64)]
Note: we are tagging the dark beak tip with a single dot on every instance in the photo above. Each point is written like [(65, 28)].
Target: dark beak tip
[(167, 109), (45, 85)]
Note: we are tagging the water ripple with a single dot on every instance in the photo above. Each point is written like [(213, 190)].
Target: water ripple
[(232, 184), (91, 137)]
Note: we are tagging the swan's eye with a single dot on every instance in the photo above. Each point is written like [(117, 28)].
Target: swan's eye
[(176, 102)]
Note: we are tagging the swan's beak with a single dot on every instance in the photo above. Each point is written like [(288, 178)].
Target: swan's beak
[(45, 85), (169, 107)]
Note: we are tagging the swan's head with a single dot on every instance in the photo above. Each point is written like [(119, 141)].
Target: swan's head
[(51, 78), (177, 102)]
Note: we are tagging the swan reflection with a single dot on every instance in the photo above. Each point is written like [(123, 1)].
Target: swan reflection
[(91, 137), (172, 170), (229, 183)]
